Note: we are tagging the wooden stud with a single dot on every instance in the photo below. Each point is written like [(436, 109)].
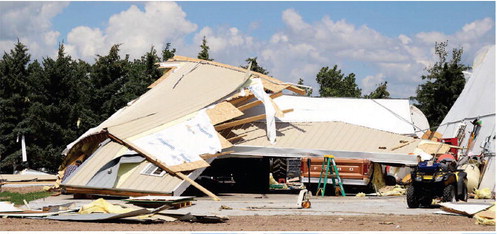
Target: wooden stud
[(207, 156), (244, 121), (236, 138), (258, 102)]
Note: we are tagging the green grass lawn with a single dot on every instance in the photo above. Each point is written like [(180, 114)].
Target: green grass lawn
[(17, 198)]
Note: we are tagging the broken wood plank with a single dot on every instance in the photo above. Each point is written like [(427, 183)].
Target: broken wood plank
[(161, 165), (223, 112), (198, 186), (242, 100), (207, 156), (236, 138), (244, 121), (258, 102)]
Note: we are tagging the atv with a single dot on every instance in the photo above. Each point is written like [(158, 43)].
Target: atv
[(436, 180)]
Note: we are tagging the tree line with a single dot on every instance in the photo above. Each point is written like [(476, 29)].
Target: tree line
[(53, 101)]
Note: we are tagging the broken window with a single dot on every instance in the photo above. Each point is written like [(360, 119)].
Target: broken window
[(153, 170)]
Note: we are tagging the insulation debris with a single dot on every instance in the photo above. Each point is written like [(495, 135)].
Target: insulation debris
[(484, 193)]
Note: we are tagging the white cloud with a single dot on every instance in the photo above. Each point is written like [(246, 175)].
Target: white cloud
[(399, 60), (137, 30), (30, 22)]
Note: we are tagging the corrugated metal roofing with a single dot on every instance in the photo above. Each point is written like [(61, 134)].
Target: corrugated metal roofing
[(325, 136)]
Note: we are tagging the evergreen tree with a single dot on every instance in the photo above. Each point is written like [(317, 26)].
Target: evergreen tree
[(444, 82), (308, 91), (108, 76), (142, 73), (255, 66), (204, 53), (14, 103), (333, 83), (380, 92), (168, 53), (55, 114)]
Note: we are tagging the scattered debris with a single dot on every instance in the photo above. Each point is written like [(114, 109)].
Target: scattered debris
[(467, 209), (189, 217), (361, 194), (157, 201), (486, 217), (484, 193), (8, 207), (223, 207)]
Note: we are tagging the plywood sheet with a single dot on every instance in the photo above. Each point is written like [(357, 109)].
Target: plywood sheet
[(222, 112)]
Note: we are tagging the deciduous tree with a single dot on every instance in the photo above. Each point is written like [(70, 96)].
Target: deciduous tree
[(333, 83), (444, 82)]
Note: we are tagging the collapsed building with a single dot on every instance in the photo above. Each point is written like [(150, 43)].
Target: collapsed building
[(202, 110), (471, 120)]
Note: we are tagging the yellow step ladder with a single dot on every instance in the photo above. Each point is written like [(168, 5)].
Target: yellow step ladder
[(329, 168)]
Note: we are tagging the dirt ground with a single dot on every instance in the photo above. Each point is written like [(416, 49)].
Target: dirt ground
[(266, 223)]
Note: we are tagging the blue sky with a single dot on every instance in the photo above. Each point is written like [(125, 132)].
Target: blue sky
[(378, 41)]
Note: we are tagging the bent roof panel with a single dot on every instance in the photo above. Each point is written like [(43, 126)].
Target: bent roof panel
[(189, 88), (391, 115), (326, 136)]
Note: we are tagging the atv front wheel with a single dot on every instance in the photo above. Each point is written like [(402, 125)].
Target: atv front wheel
[(449, 194), (412, 197)]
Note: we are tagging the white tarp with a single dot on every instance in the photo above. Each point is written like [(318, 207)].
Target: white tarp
[(258, 90), (392, 115), (183, 142)]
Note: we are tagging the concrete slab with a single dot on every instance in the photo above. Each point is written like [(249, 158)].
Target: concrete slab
[(280, 204)]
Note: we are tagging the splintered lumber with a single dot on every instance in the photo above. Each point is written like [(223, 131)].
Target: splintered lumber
[(207, 156), (256, 103), (244, 121), (222, 112), (241, 100), (162, 166)]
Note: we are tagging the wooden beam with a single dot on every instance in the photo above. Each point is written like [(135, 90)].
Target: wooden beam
[(244, 121), (236, 138), (241, 100), (162, 166), (207, 156), (296, 90), (258, 102)]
